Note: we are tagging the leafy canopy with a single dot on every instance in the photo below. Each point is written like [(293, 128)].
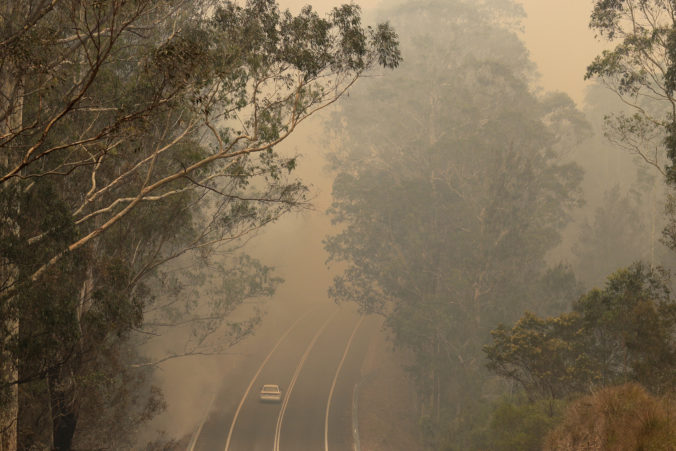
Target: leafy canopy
[(624, 332)]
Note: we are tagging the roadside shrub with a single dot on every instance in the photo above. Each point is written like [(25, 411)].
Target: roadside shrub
[(621, 418)]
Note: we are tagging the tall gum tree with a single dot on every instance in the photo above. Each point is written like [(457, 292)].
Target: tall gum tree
[(641, 70), (451, 188), (154, 122), (11, 105)]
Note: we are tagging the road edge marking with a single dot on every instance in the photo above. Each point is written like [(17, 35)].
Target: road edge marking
[(333, 384), (356, 444), (260, 368), (193, 440), (285, 402)]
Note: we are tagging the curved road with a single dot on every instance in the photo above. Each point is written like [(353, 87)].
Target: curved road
[(315, 356)]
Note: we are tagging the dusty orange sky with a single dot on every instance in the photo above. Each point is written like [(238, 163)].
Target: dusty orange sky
[(560, 42)]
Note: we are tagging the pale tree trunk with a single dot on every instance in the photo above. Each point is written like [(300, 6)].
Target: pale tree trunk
[(653, 220)]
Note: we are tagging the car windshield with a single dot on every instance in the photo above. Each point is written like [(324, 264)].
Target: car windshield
[(270, 388)]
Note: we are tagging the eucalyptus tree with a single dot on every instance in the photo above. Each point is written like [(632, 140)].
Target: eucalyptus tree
[(640, 70), (232, 85), (621, 333), (135, 133), (451, 189)]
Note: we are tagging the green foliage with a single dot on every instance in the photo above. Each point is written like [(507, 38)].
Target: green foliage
[(124, 117), (624, 332), (641, 69), (631, 324), (510, 422), (519, 428), (517, 424), (546, 356), (450, 190), (136, 151)]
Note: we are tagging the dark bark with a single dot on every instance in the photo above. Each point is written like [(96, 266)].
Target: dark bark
[(63, 408)]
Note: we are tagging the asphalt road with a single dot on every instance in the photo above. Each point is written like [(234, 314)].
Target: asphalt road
[(314, 354)]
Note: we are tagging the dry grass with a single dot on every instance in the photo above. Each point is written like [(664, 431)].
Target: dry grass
[(623, 418)]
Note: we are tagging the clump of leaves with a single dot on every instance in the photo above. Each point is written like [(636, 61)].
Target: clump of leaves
[(624, 332)]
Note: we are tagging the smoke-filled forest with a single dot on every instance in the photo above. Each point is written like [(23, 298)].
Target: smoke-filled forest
[(378, 226)]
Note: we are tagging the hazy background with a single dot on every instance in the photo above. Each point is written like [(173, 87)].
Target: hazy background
[(561, 45), (293, 245)]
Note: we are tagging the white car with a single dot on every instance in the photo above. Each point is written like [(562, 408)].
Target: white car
[(270, 393)]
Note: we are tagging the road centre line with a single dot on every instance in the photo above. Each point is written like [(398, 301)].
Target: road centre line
[(333, 384), (285, 402), (260, 368)]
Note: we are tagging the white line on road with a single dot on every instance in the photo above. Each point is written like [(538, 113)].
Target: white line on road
[(260, 368), (285, 402), (193, 440), (333, 385)]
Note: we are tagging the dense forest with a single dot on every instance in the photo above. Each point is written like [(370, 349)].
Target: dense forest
[(516, 245), (137, 134), (518, 270)]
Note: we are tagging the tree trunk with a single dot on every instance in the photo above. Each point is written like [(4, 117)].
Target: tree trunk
[(11, 110), (63, 410)]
